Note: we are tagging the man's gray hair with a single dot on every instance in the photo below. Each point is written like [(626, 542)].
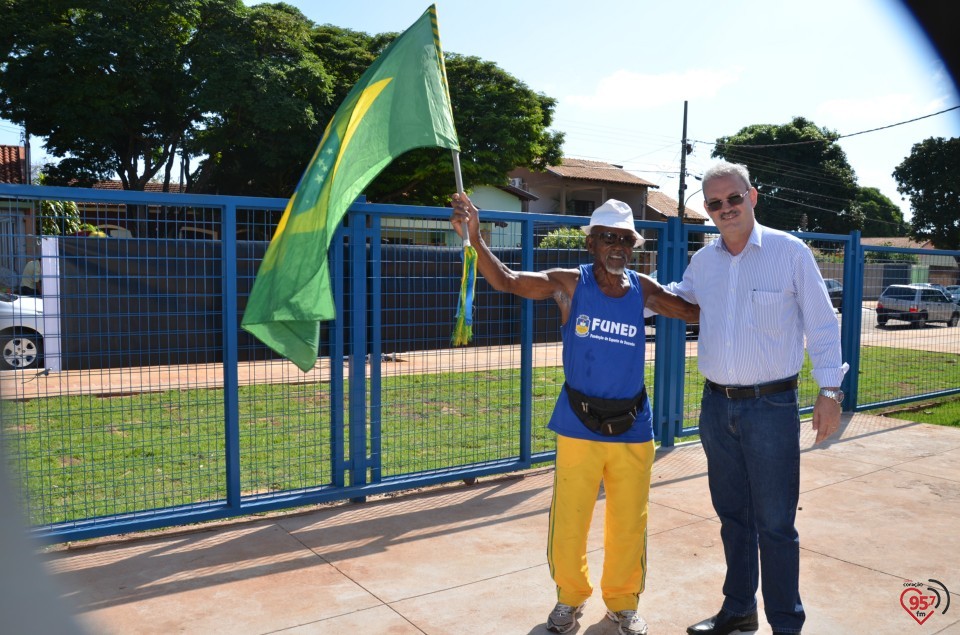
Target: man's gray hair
[(725, 168)]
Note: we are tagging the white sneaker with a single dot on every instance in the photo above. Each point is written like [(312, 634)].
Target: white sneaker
[(563, 618), (630, 622)]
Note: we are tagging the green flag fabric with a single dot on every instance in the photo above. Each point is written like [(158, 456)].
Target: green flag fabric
[(400, 103)]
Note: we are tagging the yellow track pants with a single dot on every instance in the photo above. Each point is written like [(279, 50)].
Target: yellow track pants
[(624, 469)]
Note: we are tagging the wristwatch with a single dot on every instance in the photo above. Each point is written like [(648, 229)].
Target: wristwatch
[(836, 395)]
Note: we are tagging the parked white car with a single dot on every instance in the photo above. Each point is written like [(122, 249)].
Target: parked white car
[(917, 304), (21, 332)]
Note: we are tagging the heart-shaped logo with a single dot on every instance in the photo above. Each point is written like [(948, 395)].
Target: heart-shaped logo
[(919, 606)]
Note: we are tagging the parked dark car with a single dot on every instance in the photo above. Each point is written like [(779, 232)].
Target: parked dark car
[(835, 291), (953, 291), (917, 304)]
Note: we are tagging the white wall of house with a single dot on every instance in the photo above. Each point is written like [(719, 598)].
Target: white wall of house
[(558, 194), (489, 197)]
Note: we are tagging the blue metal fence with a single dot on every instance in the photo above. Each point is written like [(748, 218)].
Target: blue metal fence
[(146, 405)]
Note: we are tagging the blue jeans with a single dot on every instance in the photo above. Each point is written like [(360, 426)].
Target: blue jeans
[(753, 466)]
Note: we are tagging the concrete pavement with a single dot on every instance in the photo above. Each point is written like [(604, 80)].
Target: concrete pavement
[(879, 506)]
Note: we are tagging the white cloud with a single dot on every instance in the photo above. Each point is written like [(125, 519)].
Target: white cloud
[(626, 90)]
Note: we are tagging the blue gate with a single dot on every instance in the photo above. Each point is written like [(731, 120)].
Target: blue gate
[(148, 406)]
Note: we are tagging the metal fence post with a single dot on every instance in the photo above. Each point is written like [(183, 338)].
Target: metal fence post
[(375, 457), (337, 354), (851, 322), (357, 420), (526, 349), (231, 382), (669, 366)]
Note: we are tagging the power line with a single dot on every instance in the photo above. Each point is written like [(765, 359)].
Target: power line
[(789, 189), (871, 220), (786, 200), (893, 125), (845, 136)]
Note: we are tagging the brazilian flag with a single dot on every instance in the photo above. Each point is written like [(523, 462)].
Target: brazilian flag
[(400, 103)]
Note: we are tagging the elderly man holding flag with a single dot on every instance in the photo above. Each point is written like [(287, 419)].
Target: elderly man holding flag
[(602, 417)]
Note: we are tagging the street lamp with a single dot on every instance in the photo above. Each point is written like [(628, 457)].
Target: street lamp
[(683, 210), (692, 194)]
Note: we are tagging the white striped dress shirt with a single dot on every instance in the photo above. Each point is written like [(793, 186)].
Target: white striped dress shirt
[(757, 307)]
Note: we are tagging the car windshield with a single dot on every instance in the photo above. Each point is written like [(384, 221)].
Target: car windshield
[(899, 292), (7, 297)]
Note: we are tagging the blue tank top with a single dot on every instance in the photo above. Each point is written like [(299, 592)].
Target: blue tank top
[(604, 348)]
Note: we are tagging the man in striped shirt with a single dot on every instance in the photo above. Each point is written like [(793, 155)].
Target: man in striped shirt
[(760, 294)]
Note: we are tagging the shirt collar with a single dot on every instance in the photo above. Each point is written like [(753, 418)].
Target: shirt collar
[(756, 238)]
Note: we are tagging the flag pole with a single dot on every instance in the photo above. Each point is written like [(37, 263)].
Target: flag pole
[(463, 330), (458, 177)]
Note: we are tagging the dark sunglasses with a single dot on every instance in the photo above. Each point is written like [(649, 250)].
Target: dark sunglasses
[(610, 238), (736, 199)]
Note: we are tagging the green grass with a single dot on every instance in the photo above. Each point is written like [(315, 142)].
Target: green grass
[(86, 456), (944, 413), (894, 373)]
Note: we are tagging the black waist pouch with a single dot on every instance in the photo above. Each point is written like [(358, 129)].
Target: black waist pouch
[(608, 417)]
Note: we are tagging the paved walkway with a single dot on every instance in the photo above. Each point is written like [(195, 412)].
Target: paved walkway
[(879, 506)]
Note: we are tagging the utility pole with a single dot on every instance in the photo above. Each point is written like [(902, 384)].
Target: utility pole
[(684, 150), (25, 139)]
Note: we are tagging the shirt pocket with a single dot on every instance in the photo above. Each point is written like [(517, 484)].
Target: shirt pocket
[(767, 310)]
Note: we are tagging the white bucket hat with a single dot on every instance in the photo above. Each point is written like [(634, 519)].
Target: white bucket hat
[(615, 215)]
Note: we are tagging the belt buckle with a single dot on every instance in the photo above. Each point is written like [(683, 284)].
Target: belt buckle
[(727, 390)]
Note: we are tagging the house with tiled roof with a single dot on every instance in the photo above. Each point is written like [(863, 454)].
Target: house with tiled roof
[(13, 165), (151, 186), (901, 242), (660, 204), (16, 220), (934, 268), (578, 186), (115, 220)]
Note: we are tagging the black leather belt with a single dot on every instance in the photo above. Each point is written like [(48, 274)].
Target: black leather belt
[(753, 392)]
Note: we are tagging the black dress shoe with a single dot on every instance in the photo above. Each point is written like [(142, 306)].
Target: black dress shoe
[(724, 623)]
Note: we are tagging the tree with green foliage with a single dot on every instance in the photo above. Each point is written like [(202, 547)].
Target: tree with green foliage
[(115, 88), (889, 256), (881, 216), (266, 98), (58, 218), (802, 174), (501, 123), (108, 85), (930, 178)]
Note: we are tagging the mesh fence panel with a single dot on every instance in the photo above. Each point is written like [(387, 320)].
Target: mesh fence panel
[(909, 340), (115, 399)]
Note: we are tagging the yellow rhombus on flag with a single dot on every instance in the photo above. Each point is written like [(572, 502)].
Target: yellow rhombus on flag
[(400, 103)]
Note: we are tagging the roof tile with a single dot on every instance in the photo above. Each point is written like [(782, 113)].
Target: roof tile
[(668, 207), (596, 171), (13, 164)]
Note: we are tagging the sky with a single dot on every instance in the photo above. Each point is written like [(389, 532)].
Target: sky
[(621, 70)]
